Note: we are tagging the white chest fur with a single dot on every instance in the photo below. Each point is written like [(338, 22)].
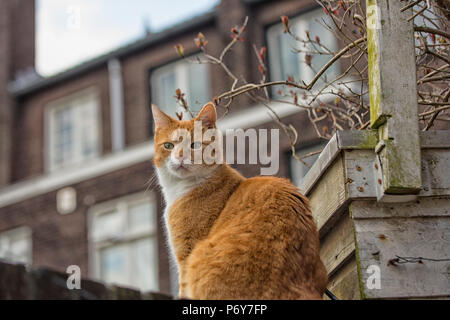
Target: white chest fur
[(174, 188)]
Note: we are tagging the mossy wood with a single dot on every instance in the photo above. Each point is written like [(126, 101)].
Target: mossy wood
[(358, 231), (393, 95)]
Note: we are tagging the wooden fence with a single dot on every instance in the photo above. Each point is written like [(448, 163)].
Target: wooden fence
[(381, 197)]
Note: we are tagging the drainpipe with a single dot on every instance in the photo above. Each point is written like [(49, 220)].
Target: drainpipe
[(116, 103)]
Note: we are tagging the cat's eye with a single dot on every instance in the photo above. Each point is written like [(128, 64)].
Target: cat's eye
[(196, 145), (168, 145)]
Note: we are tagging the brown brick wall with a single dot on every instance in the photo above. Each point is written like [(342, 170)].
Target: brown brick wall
[(29, 145), (5, 109), (17, 52), (62, 240), (22, 34)]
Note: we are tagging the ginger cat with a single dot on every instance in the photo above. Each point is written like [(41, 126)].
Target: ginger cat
[(232, 237)]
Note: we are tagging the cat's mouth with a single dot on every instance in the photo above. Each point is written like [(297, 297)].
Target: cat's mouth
[(180, 167)]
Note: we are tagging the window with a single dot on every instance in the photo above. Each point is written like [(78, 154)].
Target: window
[(15, 245), (73, 130), (123, 240), (298, 169), (426, 19), (286, 62), (191, 78)]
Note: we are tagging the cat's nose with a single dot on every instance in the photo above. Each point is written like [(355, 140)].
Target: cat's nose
[(180, 158)]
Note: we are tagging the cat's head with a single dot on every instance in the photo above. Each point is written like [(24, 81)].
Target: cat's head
[(187, 148)]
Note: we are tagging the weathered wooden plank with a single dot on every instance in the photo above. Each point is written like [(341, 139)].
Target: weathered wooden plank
[(393, 95), (363, 175), (350, 139), (357, 139), (439, 139), (423, 207), (380, 240), (352, 177), (325, 159), (338, 245), (345, 283), (435, 172), (328, 196), (359, 170), (360, 140)]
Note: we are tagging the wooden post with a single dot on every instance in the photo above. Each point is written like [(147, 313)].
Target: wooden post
[(393, 98)]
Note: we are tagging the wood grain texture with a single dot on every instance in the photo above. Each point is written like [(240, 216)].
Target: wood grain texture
[(423, 207), (359, 171), (338, 245), (435, 172), (393, 91), (328, 196), (344, 283), (435, 139)]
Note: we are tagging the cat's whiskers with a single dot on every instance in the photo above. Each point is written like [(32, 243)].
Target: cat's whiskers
[(151, 183)]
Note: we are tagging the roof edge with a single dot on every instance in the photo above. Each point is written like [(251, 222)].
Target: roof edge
[(42, 83)]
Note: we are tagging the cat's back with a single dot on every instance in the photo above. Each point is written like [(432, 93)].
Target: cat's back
[(264, 245), (266, 198), (264, 189)]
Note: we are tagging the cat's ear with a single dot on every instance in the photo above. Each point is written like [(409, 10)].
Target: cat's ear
[(160, 119), (208, 115)]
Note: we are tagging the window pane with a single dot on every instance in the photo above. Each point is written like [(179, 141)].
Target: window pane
[(284, 62), (15, 245), (89, 133), (114, 265), (163, 91), (289, 63), (199, 85), (108, 226), (144, 266), (63, 136), (75, 131), (142, 218), (328, 40), (125, 242)]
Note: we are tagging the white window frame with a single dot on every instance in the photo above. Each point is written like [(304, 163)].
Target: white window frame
[(122, 206), (49, 128), (298, 25), (23, 232), (181, 70)]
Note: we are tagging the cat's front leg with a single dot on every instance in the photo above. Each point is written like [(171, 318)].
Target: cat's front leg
[(182, 291)]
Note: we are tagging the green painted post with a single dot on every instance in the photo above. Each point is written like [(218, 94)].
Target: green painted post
[(393, 96)]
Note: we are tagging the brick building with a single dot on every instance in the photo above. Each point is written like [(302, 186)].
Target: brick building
[(76, 147)]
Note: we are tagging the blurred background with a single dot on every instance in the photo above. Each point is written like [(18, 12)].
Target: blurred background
[(76, 81)]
